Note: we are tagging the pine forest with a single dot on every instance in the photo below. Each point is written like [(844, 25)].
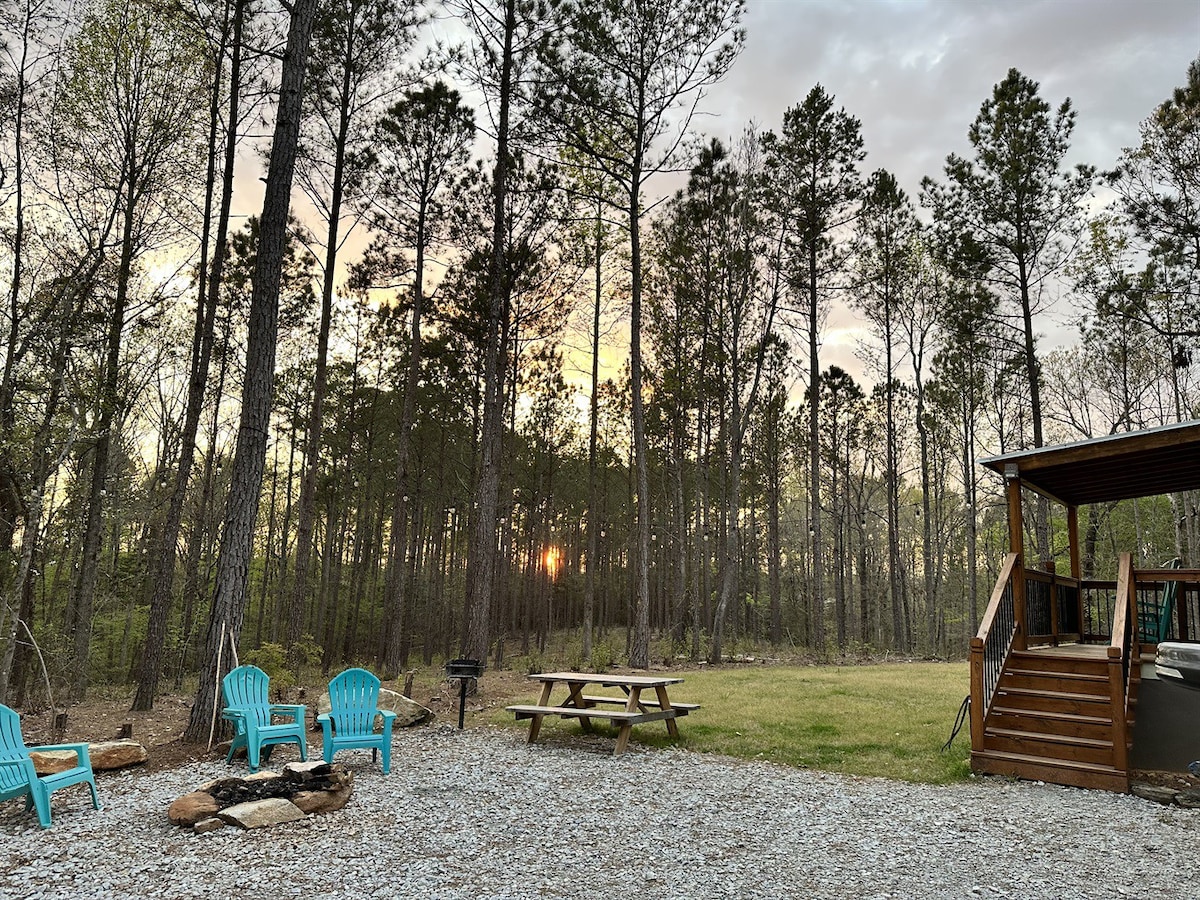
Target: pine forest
[(328, 337)]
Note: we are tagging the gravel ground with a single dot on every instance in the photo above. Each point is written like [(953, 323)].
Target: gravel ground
[(478, 814)]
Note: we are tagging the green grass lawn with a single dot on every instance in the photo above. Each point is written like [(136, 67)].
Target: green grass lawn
[(887, 720)]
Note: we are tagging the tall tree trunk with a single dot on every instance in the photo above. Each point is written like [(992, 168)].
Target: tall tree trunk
[(208, 296), (639, 654), (316, 414), (396, 613), (814, 455), (481, 564), (237, 539), (83, 602), (594, 521)]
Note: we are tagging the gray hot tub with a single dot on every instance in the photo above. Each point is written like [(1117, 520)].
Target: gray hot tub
[(1179, 664)]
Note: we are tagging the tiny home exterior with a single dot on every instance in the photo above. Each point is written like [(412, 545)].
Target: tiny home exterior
[(1062, 667)]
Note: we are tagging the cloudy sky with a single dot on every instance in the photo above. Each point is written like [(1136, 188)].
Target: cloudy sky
[(915, 72)]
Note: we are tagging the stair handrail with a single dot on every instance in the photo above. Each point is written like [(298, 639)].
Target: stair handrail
[(990, 647), (1120, 658)]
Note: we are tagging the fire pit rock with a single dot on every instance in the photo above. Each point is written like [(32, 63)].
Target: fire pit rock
[(266, 798)]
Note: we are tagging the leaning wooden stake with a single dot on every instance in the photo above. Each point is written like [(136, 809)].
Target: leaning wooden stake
[(212, 728)]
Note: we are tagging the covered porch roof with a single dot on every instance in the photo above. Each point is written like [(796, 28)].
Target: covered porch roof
[(1115, 467)]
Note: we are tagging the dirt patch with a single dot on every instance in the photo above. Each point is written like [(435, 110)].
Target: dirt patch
[(160, 730)]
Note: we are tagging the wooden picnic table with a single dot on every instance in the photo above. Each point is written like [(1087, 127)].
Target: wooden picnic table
[(586, 707)]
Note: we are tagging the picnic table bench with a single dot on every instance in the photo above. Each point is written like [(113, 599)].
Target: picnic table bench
[(586, 707)]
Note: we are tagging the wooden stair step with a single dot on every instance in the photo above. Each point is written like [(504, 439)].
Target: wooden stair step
[(1073, 718), (1031, 724), (1055, 701), (1060, 661), (1083, 677), (1066, 740), (1058, 682), (1049, 747), (1050, 722), (1056, 771)]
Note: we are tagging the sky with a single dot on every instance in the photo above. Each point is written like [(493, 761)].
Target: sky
[(915, 73)]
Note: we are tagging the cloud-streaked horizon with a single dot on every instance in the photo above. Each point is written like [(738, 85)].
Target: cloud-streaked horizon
[(915, 73)]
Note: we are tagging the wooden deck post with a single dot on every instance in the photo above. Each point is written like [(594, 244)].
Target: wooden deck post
[(1076, 564), (1073, 539), (1016, 544), (977, 698)]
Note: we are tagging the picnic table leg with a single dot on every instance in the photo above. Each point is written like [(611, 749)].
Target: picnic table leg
[(622, 738), (663, 703), (631, 705), (535, 722), (576, 700), (535, 725)]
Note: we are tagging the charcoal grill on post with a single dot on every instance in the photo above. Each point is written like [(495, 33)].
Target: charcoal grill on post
[(464, 670)]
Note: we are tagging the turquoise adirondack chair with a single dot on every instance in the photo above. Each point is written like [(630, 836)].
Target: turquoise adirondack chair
[(350, 722), (18, 777), (248, 707), (1154, 617)]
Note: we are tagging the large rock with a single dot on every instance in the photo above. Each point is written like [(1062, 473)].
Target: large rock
[(322, 801), (261, 813), (1189, 799), (108, 755), (1153, 792), (192, 808), (408, 712), (104, 755), (48, 762)]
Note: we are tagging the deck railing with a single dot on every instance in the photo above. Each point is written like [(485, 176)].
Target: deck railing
[(990, 647), (1053, 610), (1099, 603)]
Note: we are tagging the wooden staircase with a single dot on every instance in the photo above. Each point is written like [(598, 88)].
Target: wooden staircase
[(1051, 720)]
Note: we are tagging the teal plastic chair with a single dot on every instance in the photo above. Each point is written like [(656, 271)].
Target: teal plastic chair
[(248, 707), (350, 722), (1154, 619), (19, 778)]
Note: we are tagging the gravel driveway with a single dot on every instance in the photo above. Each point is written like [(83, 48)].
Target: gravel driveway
[(478, 814)]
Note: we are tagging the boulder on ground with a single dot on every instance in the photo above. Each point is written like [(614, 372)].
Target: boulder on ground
[(322, 801), (408, 712), (1189, 799), (104, 756), (108, 755), (48, 762), (1153, 792)]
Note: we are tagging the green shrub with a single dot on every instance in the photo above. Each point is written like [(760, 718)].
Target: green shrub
[(272, 659), (603, 656)]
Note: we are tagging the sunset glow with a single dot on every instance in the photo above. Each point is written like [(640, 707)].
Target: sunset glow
[(552, 560)]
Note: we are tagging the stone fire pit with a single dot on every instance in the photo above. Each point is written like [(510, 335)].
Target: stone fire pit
[(265, 798)]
